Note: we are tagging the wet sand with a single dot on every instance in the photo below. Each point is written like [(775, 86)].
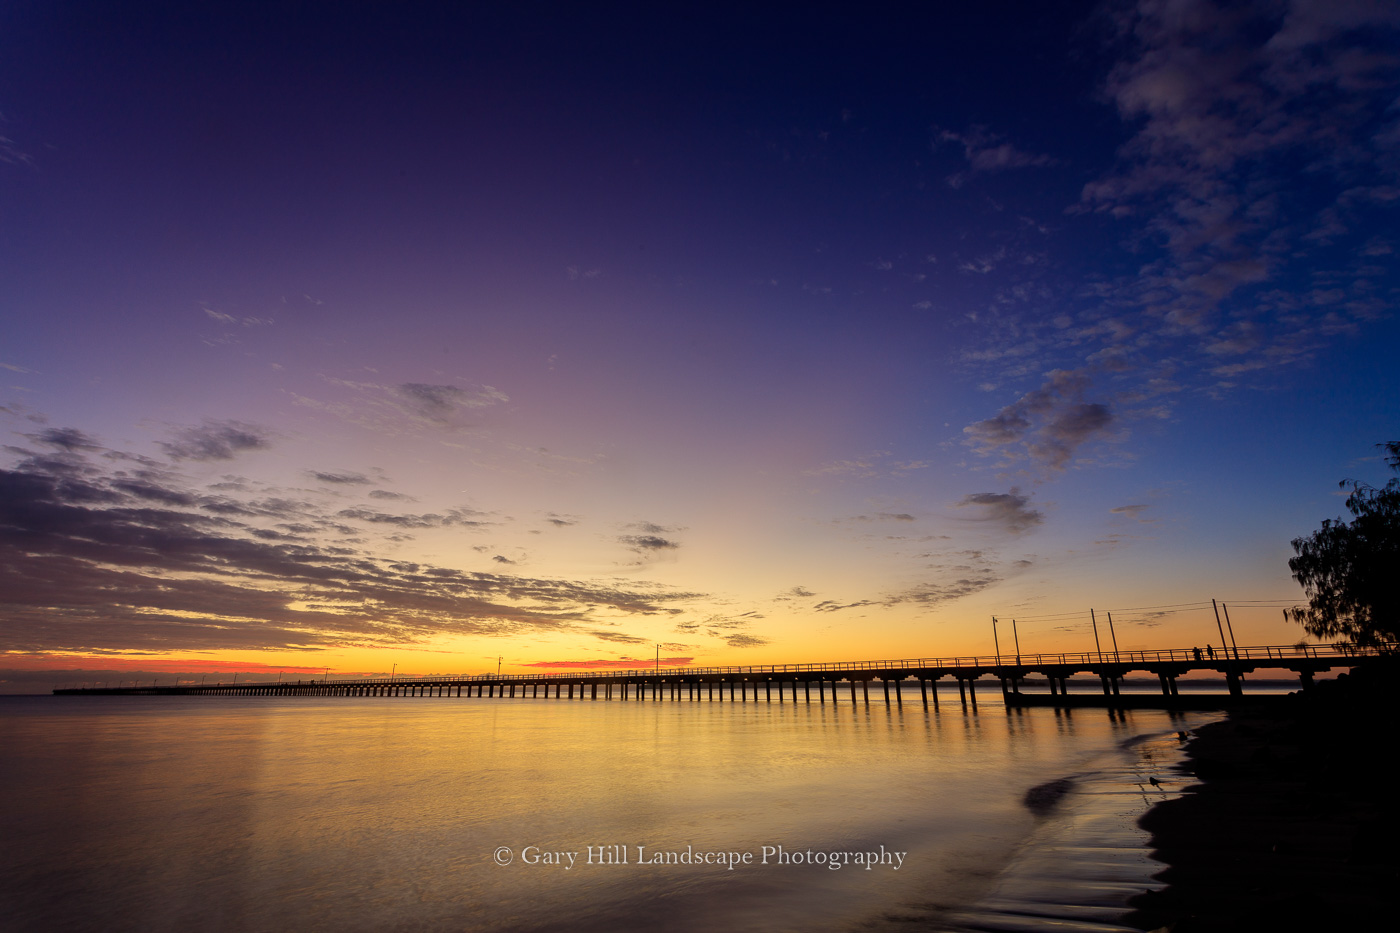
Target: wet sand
[(1295, 824), (1087, 855)]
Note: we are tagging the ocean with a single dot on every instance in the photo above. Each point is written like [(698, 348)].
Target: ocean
[(447, 814)]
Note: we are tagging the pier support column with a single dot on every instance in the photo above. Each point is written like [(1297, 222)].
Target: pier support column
[(1233, 679), (885, 682), (853, 694), (1307, 678), (1107, 690)]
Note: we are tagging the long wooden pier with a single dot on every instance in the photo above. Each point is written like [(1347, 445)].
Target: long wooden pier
[(798, 683)]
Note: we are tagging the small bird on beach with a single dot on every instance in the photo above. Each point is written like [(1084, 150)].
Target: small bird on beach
[(1154, 782)]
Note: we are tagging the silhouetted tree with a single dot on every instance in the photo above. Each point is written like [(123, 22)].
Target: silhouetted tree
[(1351, 570)]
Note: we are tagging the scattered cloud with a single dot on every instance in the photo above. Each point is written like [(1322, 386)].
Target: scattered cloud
[(341, 479), (1009, 511), (407, 407), (1047, 424), (95, 557), (467, 517), (216, 440), (643, 543), (986, 152), (605, 664), (875, 463), (69, 439)]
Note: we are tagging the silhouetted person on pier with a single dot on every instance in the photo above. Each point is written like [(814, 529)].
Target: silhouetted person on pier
[(1210, 652), (1197, 653)]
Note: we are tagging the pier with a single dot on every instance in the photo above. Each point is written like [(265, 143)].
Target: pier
[(1027, 680)]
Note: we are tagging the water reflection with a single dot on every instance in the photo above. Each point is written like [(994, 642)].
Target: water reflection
[(380, 814)]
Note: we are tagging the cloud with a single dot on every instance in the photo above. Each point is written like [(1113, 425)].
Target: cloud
[(875, 463), (620, 637), (442, 404), (216, 440), (92, 560), (651, 528), (1134, 512), (603, 664), (70, 439), (341, 479), (1008, 510), (745, 641), (883, 517), (11, 154), (394, 409), (986, 152), (1255, 142), (831, 605), (650, 544), (430, 520), (1048, 424), (644, 543)]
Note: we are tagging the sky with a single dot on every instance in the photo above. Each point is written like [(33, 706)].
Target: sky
[(432, 338)]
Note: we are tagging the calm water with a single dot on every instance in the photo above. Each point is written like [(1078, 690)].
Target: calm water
[(387, 814)]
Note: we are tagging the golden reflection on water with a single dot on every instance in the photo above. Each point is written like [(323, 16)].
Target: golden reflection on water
[(378, 814)]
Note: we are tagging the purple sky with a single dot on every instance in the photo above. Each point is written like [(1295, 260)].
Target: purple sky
[(425, 335)]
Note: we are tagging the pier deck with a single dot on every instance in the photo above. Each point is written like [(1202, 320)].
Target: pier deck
[(828, 681)]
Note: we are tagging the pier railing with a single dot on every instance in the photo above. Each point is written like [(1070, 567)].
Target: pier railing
[(1253, 653), (986, 662)]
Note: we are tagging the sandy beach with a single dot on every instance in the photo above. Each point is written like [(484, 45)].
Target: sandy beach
[(1293, 824)]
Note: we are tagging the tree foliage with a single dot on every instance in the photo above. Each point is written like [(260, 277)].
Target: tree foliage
[(1350, 571)]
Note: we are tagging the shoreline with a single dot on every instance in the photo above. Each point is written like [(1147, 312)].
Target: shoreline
[(1086, 856), (1292, 825)]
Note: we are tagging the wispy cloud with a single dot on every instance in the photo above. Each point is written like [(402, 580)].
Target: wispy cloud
[(340, 479), (216, 440), (94, 558), (987, 152), (410, 407)]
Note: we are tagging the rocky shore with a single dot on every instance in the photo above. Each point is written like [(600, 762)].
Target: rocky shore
[(1295, 824)]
